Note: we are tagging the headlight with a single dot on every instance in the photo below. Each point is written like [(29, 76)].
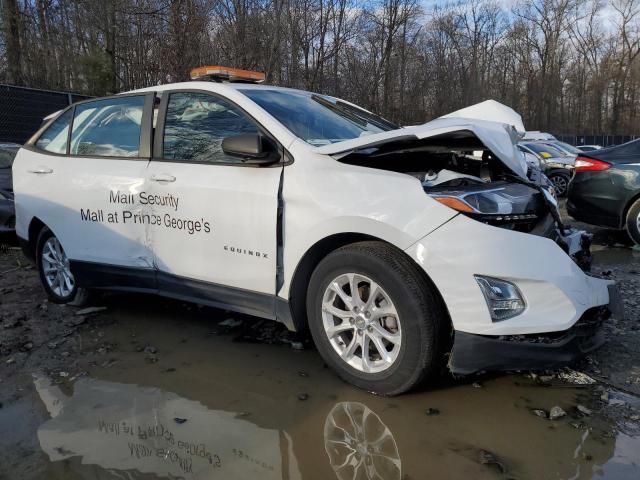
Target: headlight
[(503, 298), (507, 203)]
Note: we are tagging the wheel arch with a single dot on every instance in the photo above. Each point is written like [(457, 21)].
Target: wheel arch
[(35, 227), (558, 171), (314, 255)]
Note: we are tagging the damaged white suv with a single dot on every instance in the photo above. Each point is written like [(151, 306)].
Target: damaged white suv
[(402, 250)]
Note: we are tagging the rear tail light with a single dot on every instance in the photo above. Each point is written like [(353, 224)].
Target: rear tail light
[(584, 164)]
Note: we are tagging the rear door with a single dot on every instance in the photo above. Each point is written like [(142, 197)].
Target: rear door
[(82, 177), (214, 236)]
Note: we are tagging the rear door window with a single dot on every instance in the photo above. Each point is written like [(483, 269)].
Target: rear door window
[(54, 139), (108, 128)]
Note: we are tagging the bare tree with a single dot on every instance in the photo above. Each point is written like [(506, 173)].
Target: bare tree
[(562, 64)]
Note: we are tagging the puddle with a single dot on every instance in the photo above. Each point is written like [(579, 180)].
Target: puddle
[(105, 429), (212, 408)]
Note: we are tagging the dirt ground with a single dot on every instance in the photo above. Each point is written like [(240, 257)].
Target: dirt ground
[(152, 388)]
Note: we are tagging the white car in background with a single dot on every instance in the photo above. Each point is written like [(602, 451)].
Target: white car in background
[(399, 250), (588, 148)]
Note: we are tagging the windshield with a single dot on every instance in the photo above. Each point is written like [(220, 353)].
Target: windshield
[(6, 157), (316, 119), (544, 150)]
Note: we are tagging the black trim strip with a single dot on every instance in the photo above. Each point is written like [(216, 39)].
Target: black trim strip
[(148, 280), (98, 275), (280, 235)]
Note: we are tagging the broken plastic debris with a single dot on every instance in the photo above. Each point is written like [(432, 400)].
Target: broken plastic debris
[(556, 412), (91, 310), (578, 378), (231, 323), (584, 410)]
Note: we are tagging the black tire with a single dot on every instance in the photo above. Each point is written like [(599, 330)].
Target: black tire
[(560, 181), (633, 222), (425, 336), (77, 296)]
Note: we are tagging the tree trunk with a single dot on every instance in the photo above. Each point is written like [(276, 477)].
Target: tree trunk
[(11, 26)]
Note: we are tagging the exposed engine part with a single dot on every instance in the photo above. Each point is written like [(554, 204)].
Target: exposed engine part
[(445, 176)]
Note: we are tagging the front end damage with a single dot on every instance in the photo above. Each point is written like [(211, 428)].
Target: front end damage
[(514, 278), (474, 353)]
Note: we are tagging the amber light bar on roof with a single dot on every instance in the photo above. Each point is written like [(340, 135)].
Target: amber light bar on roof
[(229, 74)]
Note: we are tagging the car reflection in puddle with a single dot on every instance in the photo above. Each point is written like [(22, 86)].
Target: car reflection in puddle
[(108, 430), (147, 431), (141, 431)]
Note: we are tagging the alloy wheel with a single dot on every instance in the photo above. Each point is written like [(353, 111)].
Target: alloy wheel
[(55, 266), (559, 184), (361, 323)]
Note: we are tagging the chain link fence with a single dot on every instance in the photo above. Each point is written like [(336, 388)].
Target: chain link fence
[(22, 110)]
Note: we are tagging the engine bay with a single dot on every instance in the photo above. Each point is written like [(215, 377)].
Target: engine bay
[(471, 182)]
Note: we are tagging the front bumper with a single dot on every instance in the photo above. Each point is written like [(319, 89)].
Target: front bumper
[(556, 291), (475, 353)]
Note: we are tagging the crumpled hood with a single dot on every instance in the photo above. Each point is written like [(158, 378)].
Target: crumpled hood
[(500, 138), (492, 111)]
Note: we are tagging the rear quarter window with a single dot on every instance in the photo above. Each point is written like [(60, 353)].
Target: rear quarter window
[(54, 139)]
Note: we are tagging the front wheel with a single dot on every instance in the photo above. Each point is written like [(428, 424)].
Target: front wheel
[(55, 272), (375, 319)]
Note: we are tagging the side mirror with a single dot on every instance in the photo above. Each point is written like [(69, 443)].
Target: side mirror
[(251, 148)]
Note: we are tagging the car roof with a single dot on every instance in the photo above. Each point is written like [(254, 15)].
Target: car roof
[(214, 87)]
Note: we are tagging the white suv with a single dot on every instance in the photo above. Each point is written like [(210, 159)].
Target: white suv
[(400, 249)]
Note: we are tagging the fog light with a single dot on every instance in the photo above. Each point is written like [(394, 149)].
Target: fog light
[(503, 298)]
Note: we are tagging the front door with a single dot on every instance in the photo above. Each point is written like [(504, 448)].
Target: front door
[(214, 232)]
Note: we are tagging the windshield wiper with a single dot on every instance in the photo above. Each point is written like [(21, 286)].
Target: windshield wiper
[(369, 117), (339, 110)]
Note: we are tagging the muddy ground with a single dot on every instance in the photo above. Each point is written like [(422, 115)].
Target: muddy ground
[(154, 388)]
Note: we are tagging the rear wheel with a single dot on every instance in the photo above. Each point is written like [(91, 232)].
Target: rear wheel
[(633, 222), (55, 272), (375, 319), (560, 182)]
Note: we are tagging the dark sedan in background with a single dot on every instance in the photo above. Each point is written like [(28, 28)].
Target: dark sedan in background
[(7, 210), (605, 189)]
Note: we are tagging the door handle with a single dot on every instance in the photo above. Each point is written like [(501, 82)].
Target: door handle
[(163, 178), (41, 170)]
